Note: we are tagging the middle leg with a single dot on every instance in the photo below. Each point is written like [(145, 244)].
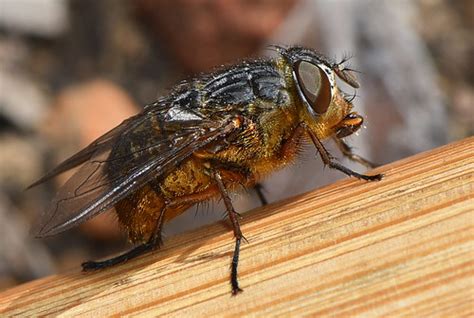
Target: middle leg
[(234, 218), (259, 190)]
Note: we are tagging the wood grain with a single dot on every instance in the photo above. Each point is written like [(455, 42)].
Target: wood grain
[(399, 247)]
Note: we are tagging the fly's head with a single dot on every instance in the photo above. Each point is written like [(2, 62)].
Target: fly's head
[(325, 108)]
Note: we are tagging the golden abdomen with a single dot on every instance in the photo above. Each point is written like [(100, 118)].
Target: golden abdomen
[(138, 213)]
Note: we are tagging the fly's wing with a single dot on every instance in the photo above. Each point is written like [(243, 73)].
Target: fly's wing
[(102, 181), (98, 146)]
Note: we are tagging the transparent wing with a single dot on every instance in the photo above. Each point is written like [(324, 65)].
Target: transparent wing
[(121, 163), (100, 145)]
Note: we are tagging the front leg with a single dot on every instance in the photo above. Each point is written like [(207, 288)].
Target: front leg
[(233, 216), (346, 150), (328, 160)]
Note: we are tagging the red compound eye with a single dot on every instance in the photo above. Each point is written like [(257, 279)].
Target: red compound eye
[(315, 86)]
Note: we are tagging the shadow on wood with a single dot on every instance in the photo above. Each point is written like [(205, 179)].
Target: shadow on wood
[(401, 246)]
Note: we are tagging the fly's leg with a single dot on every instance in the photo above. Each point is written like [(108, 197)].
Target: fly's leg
[(155, 239), (346, 150), (153, 242), (137, 251), (259, 190), (233, 216), (328, 160)]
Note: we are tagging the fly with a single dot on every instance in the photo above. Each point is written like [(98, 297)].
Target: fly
[(210, 136)]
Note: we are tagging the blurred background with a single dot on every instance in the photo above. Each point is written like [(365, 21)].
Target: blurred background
[(70, 70)]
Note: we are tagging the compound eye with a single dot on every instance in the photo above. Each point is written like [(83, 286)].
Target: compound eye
[(314, 85)]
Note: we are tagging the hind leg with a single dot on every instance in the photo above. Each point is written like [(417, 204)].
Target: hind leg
[(153, 242)]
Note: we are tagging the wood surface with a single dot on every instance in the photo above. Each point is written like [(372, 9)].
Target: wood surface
[(399, 247)]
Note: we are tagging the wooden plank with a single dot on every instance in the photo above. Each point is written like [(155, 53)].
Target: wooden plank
[(401, 246)]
